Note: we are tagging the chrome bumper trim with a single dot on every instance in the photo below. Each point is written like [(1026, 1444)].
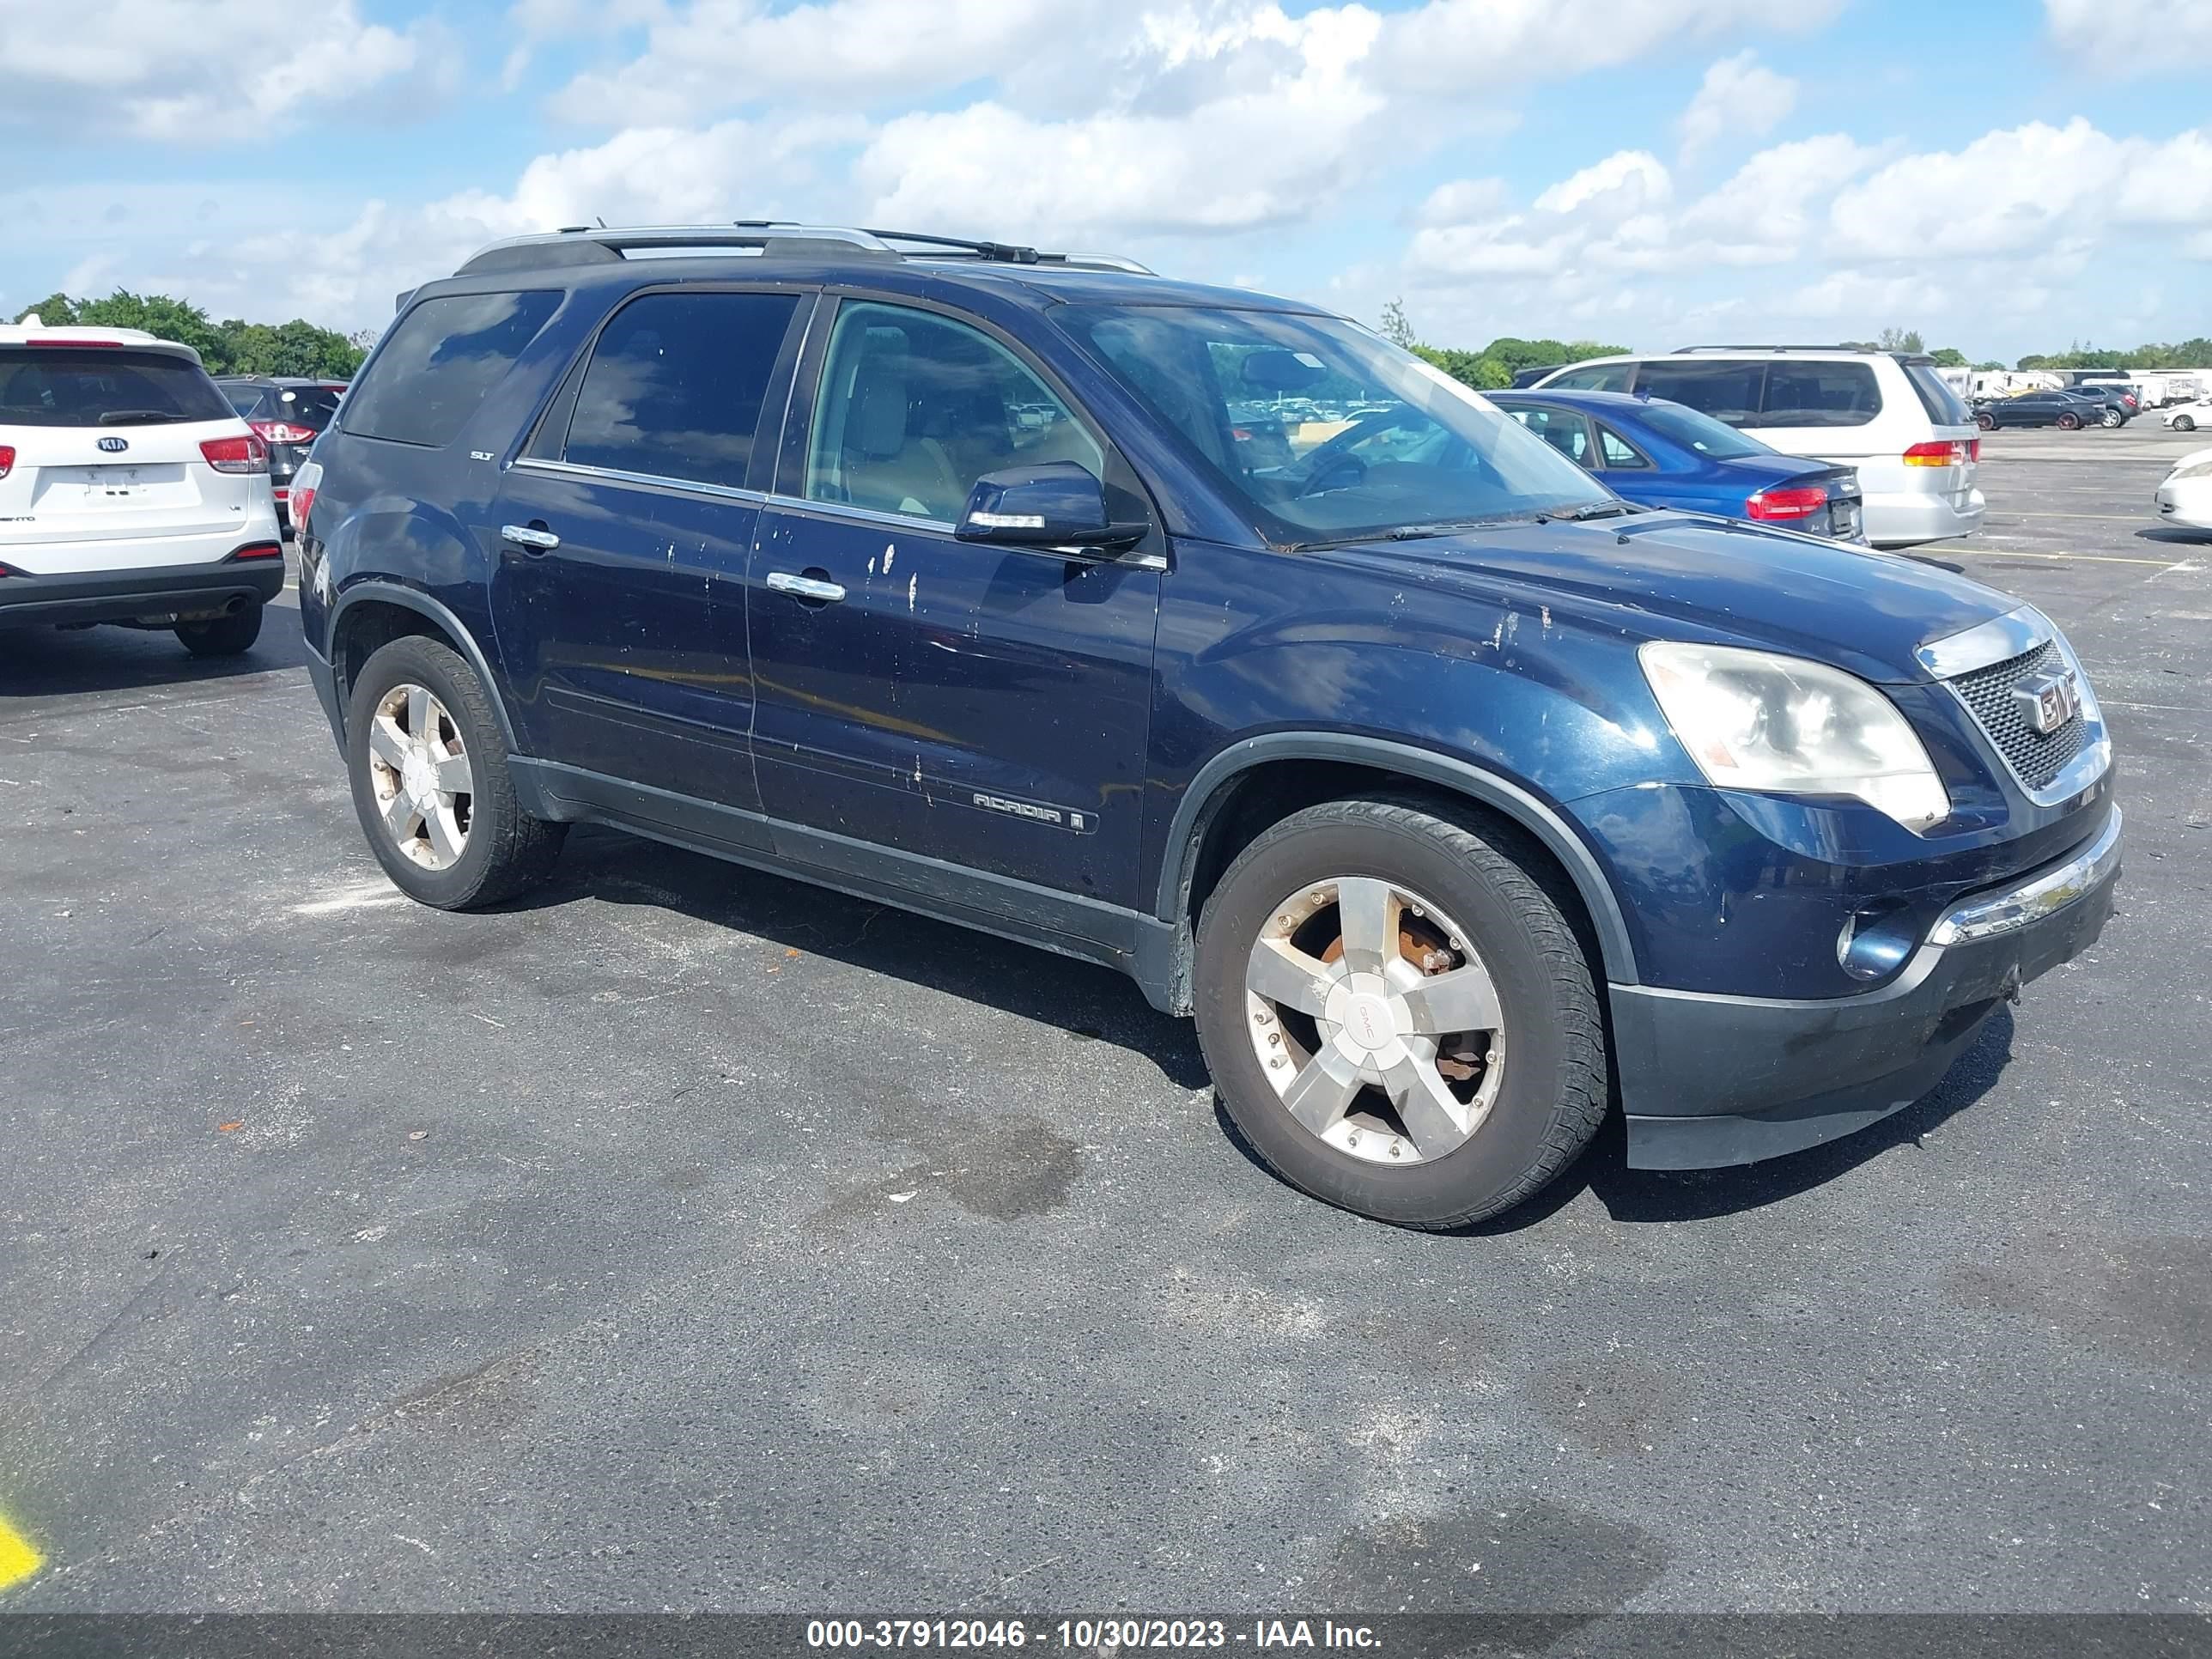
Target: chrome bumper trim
[(2049, 893)]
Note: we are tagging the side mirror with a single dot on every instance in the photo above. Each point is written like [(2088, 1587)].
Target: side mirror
[(1054, 504)]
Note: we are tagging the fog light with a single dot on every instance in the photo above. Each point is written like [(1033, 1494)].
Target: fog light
[(1873, 944)]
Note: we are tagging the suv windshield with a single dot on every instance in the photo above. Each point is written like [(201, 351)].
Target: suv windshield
[(1324, 431), (101, 385), (1701, 433)]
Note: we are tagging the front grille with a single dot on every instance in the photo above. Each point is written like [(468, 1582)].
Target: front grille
[(2036, 757)]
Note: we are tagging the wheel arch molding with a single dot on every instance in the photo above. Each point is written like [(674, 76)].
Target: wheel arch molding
[(374, 591), (1214, 785)]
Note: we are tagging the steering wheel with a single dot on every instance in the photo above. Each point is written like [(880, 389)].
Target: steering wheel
[(1334, 468), (1327, 467)]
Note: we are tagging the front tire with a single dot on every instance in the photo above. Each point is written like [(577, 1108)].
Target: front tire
[(2069, 422), (224, 636), (1397, 1011), (431, 783), (1987, 423), (2183, 423)]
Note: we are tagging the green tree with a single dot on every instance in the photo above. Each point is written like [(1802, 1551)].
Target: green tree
[(1947, 357), (1900, 339), (1396, 328), (55, 311), (230, 347)]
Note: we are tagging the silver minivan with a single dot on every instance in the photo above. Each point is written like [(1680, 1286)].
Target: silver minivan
[(1887, 414)]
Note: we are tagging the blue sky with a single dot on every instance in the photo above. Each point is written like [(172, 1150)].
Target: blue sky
[(2005, 175)]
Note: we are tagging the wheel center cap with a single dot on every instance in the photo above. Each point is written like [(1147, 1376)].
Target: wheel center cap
[(1368, 1023), (416, 775)]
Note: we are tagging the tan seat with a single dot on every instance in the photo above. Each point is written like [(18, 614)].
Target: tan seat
[(887, 468)]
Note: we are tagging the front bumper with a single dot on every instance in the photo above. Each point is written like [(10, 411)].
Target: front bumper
[(169, 592), (1711, 1080), (2186, 509)]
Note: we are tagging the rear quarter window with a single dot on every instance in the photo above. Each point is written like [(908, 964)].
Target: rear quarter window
[(1936, 397), (101, 385), (1819, 394), (440, 362)]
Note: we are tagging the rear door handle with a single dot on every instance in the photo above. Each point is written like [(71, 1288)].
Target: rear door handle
[(806, 588), (538, 541)]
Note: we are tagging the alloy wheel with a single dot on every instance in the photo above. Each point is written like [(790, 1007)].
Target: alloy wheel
[(1375, 1020), (419, 771)]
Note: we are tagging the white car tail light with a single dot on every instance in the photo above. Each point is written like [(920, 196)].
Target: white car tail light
[(241, 454)]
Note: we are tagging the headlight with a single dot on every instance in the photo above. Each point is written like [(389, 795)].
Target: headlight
[(2198, 470), (1752, 720)]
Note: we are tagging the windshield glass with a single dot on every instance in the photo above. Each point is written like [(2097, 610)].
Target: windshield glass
[(1323, 431), (1701, 433)]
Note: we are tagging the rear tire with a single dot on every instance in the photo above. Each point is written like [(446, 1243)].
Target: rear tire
[(226, 637), (423, 743), (2114, 419), (1528, 1079)]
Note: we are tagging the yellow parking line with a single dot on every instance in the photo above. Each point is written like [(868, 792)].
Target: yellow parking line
[(18, 1561)]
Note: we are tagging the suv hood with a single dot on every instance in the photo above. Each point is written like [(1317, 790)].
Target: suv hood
[(1850, 607)]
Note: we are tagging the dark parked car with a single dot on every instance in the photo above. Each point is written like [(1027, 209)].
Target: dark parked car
[(1658, 453), (290, 414), (2068, 410), (2124, 397), (1442, 787)]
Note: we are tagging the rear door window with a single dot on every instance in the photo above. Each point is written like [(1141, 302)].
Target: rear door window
[(1819, 394), (103, 385), (676, 383), (1600, 377), (1564, 430), (440, 361), (1728, 391)]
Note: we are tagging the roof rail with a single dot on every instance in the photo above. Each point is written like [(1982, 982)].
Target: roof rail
[(1680, 351), (589, 245), (583, 244)]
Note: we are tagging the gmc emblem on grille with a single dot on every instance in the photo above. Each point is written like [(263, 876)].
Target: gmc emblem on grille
[(2047, 702)]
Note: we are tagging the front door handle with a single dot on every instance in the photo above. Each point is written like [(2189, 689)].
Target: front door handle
[(806, 588), (538, 541)]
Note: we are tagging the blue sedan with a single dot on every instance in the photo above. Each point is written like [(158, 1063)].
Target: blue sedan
[(1658, 453)]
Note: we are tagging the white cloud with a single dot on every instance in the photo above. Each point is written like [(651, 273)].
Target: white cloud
[(1740, 97), (1252, 150), (2025, 188), (716, 54), (208, 73), (2131, 37), (1463, 200), (1447, 46)]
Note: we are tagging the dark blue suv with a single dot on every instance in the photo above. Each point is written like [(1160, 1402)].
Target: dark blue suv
[(1452, 794)]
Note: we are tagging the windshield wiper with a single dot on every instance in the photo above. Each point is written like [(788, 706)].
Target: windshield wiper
[(132, 417), (1593, 510), (1447, 527)]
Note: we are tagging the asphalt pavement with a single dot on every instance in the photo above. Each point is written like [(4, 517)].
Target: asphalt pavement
[(686, 1238)]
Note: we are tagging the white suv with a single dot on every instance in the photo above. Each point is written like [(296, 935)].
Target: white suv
[(1888, 415), (131, 491)]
